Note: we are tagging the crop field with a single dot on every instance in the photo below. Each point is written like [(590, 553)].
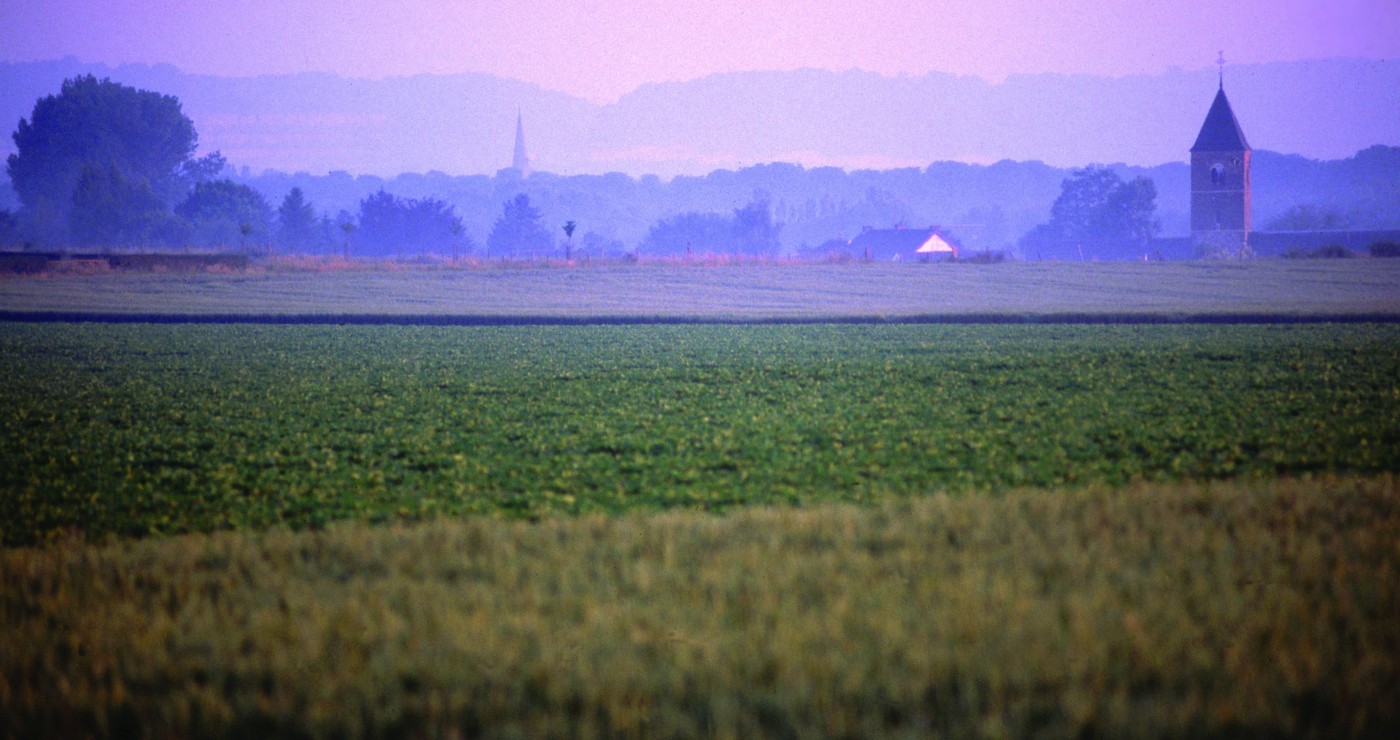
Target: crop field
[(1248, 609), (698, 530), (141, 430)]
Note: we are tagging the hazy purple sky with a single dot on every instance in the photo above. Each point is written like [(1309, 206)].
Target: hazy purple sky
[(600, 49)]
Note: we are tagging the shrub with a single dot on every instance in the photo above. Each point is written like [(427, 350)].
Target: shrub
[(1385, 249), (985, 257), (1211, 251), (1327, 251), (151, 262), (21, 264)]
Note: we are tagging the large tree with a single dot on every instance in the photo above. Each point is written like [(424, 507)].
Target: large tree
[(102, 124), (1129, 211), (1096, 206), (389, 225), (1081, 211), (112, 209), (520, 231)]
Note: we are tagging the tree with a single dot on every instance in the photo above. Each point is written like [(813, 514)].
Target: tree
[(204, 169), (750, 231), (594, 243), (111, 209), (1304, 217), (297, 225), (7, 227), (1128, 212), (97, 123), (223, 212), (346, 222), (685, 232), (569, 227), (432, 225), (1081, 210), (460, 241), (754, 229), (520, 231), (389, 225), (1095, 205)]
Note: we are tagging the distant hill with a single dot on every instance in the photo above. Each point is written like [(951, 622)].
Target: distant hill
[(464, 123)]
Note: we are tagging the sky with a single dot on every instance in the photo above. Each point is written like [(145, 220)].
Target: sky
[(602, 49)]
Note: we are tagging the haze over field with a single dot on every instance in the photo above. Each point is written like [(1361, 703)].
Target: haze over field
[(688, 87), (837, 368), (464, 123)]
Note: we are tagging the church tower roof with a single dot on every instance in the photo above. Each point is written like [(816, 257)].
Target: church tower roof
[(521, 161), (1221, 132)]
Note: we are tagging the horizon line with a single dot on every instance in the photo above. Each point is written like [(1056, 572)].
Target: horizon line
[(806, 168), (993, 81)]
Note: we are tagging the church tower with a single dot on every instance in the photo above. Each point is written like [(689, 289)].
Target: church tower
[(1220, 182), (521, 161)]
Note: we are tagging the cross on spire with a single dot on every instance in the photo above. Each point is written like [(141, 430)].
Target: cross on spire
[(1220, 62)]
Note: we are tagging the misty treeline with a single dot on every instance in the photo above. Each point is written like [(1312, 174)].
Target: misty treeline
[(105, 165), (813, 210)]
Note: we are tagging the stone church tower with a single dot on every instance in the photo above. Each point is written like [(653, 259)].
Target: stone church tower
[(1220, 183)]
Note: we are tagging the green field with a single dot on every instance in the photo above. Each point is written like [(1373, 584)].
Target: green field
[(139, 429), (240, 530)]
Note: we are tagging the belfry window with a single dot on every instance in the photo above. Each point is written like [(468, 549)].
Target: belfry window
[(1217, 174)]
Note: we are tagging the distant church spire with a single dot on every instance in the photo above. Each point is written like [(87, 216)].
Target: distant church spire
[(521, 162)]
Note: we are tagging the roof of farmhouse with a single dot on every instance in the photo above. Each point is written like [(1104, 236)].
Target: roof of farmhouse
[(904, 241)]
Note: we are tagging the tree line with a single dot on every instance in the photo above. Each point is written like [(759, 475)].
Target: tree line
[(104, 165)]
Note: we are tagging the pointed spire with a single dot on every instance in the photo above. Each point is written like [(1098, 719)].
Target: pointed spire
[(1221, 132), (521, 161)]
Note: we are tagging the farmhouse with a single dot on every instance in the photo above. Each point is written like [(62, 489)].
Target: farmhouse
[(903, 245)]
